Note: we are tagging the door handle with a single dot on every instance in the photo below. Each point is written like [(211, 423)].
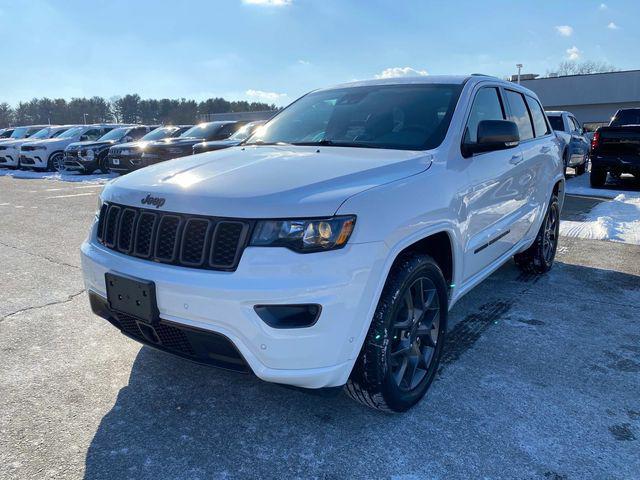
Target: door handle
[(516, 159)]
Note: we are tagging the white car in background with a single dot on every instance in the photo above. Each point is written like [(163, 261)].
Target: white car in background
[(10, 150), (22, 132), (48, 154)]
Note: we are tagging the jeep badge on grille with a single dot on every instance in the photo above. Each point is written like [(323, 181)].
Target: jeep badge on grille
[(155, 201)]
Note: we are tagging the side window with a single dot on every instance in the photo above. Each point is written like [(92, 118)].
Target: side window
[(486, 106), (540, 126), (575, 126), (520, 114), (93, 134)]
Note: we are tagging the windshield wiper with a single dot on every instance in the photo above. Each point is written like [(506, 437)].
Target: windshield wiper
[(332, 143), (260, 142)]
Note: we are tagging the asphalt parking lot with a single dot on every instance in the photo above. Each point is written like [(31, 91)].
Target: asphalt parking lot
[(541, 378)]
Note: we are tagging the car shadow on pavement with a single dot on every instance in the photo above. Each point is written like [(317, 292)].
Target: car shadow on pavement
[(177, 419)]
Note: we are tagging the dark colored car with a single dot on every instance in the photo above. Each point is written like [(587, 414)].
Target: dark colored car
[(182, 146), (236, 139), (616, 149), (86, 157), (127, 157)]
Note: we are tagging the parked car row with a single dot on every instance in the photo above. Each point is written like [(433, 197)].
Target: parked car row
[(120, 148)]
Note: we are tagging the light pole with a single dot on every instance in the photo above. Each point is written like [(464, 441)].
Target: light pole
[(519, 65), (84, 115)]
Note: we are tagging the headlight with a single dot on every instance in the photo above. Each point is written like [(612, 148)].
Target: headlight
[(304, 236)]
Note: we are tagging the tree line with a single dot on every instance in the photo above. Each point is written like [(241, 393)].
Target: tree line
[(127, 109)]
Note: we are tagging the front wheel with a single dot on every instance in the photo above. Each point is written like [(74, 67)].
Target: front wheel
[(539, 257), (56, 162), (103, 165), (402, 350)]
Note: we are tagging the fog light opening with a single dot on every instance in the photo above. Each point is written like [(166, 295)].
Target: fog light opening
[(289, 316)]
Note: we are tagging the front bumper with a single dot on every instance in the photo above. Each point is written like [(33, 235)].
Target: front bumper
[(33, 158), (9, 157), (344, 282), (126, 163), (75, 163)]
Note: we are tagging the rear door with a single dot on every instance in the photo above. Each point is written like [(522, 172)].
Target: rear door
[(491, 198), (531, 174)]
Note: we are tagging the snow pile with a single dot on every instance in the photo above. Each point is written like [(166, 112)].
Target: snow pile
[(617, 220), (61, 177)]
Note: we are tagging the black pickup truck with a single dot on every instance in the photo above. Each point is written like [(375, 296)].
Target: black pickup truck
[(616, 149)]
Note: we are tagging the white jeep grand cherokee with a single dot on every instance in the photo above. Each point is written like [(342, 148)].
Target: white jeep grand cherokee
[(327, 249)]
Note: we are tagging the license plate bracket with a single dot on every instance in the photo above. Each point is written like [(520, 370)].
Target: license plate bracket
[(133, 296)]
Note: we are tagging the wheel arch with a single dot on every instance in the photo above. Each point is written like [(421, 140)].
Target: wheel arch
[(55, 152)]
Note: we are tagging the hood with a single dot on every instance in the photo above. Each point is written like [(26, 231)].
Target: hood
[(132, 145), (265, 181), (16, 143), (90, 144), (222, 143), (47, 141)]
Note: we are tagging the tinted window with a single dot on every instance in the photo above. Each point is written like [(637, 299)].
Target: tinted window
[(486, 106), (520, 115), (160, 133), (575, 125), (137, 133), (93, 134), (556, 122), (539, 123), (407, 117), (626, 117)]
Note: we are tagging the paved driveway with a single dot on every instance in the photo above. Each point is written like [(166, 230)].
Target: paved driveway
[(541, 379)]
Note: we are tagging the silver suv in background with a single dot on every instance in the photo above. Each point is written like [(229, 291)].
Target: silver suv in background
[(575, 153)]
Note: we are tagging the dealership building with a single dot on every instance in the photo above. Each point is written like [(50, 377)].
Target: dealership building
[(592, 98)]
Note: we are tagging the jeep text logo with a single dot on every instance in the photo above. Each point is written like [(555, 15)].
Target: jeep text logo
[(155, 201)]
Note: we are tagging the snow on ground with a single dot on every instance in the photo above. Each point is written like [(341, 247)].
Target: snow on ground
[(61, 177), (617, 219)]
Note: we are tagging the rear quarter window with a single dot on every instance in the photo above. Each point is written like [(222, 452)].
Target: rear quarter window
[(540, 126), (520, 114)]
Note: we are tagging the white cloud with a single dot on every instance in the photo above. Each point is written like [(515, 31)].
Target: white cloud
[(612, 26), (603, 6), (268, 3), (573, 53), (304, 62), (395, 72), (564, 30), (264, 96)]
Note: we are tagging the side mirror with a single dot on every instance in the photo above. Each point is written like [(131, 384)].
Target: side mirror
[(84, 138), (493, 135), (128, 139)]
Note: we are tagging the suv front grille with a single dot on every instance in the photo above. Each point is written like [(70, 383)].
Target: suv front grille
[(187, 240)]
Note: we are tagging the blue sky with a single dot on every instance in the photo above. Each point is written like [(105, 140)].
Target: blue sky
[(275, 50)]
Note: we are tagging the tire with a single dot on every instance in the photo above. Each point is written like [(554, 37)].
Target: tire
[(539, 257), (103, 165), (565, 162), (55, 163), (401, 352), (580, 169), (597, 177)]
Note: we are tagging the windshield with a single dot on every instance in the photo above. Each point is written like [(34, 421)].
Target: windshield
[(159, 133), (246, 131), (72, 132), (556, 122), (405, 117), (115, 134), (203, 130), (44, 133), (626, 117), (19, 132)]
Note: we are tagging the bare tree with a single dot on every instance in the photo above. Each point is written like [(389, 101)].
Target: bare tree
[(569, 67)]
